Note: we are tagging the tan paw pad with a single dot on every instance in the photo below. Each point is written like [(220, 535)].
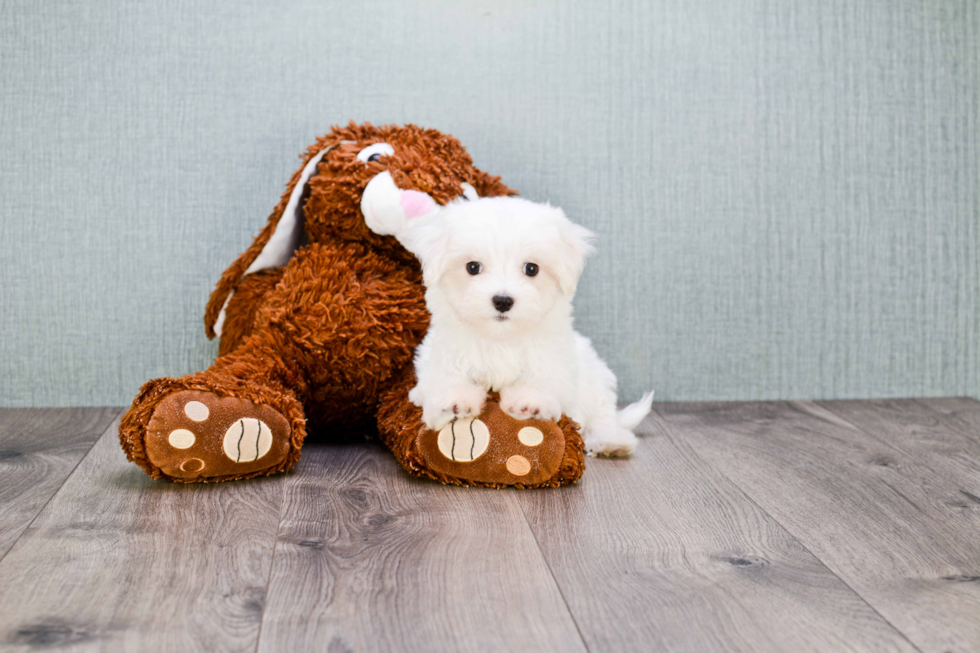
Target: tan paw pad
[(247, 440), (464, 440), (518, 465), (181, 439), (530, 436), (192, 465), (196, 411)]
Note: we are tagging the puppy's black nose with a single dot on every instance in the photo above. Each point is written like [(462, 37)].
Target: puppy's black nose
[(502, 302)]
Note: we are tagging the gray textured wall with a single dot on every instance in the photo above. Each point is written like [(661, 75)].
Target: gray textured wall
[(786, 193)]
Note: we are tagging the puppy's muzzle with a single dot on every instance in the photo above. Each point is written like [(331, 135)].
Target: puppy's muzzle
[(502, 303)]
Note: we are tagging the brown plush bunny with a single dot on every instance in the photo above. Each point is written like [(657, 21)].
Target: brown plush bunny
[(318, 321)]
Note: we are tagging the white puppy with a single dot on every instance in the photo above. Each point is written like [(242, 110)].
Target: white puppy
[(500, 274)]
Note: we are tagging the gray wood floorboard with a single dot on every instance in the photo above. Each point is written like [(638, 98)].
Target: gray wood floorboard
[(876, 514), (961, 413), (661, 552), (944, 447), (116, 562), (39, 448), (960, 439), (370, 559), (752, 526)]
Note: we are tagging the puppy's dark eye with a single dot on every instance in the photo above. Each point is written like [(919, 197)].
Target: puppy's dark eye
[(530, 269), (473, 268), (375, 156)]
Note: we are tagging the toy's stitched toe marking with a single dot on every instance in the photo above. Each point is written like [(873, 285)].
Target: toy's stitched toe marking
[(196, 411), (247, 440), (464, 440), (181, 439), (518, 466), (530, 436), (192, 465)]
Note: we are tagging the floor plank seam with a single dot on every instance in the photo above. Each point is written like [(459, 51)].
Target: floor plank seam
[(551, 572), (790, 533), (272, 565), (13, 544)]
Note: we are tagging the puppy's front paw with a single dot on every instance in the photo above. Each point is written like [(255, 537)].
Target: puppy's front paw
[(614, 443), (457, 402), (525, 402)]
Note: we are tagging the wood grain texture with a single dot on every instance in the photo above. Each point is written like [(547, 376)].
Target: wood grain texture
[(945, 444), (765, 526), (960, 413), (370, 559), (116, 561), (661, 552), (880, 517), (39, 448), (958, 437)]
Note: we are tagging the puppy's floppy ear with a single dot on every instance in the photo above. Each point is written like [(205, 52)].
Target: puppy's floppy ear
[(428, 238), (576, 246), (277, 241)]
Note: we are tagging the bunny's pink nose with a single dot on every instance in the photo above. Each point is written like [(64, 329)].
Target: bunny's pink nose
[(415, 203)]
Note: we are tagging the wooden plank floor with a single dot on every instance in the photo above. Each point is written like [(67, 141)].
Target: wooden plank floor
[(779, 526)]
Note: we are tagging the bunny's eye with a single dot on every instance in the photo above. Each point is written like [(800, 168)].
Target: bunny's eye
[(531, 269), (473, 268), (469, 193), (375, 152)]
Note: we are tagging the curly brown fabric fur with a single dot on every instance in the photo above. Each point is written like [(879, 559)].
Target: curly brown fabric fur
[(426, 160), (249, 297), (327, 340)]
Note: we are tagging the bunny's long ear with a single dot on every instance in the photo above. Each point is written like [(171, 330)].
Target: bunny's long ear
[(274, 245)]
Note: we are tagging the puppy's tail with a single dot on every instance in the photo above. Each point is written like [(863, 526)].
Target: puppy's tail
[(631, 416)]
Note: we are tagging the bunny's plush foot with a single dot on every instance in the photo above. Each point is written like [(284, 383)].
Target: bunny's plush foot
[(196, 435), (485, 447)]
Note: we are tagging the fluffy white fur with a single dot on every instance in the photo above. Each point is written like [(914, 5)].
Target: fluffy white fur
[(530, 353)]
